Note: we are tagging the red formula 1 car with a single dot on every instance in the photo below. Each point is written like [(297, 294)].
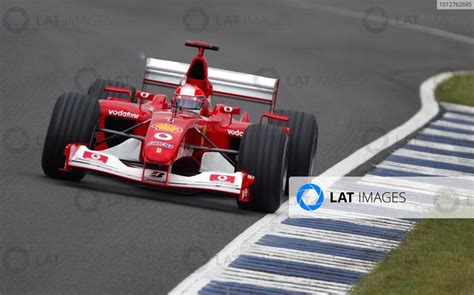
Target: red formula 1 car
[(183, 142)]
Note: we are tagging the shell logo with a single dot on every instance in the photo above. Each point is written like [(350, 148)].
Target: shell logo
[(167, 127)]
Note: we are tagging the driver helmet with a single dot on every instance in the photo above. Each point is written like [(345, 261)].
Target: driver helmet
[(190, 98)]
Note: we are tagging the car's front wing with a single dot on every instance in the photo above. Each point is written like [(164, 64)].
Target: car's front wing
[(79, 156)]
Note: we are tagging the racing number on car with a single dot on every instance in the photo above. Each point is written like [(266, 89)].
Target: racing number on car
[(158, 174)]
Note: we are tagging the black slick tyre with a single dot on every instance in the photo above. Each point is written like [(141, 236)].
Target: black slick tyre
[(73, 121), (263, 154)]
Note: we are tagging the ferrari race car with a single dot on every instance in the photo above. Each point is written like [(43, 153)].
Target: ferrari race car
[(184, 141)]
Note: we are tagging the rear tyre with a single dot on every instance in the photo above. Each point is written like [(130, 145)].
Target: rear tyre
[(97, 89), (263, 154), (303, 141), (73, 121)]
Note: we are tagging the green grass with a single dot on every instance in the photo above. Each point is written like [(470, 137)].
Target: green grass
[(437, 257), (458, 89)]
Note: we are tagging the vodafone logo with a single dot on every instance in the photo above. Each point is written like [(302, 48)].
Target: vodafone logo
[(95, 157), (163, 136), (228, 109), (222, 178), (235, 132), (144, 94), (123, 114)]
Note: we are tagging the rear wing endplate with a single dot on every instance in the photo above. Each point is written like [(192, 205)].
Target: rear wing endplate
[(225, 83)]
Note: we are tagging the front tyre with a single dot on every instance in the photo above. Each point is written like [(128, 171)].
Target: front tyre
[(263, 154), (303, 141), (73, 121)]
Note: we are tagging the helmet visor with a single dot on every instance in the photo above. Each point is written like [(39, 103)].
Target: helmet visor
[(187, 102)]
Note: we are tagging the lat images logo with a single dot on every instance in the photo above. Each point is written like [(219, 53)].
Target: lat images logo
[(309, 187), (123, 114)]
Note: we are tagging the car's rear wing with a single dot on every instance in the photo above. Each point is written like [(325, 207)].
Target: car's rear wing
[(225, 83)]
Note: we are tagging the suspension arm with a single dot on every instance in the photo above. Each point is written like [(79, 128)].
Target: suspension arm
[(214, 146)]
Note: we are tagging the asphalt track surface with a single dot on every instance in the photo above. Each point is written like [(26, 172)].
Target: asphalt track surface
[(360, 78)]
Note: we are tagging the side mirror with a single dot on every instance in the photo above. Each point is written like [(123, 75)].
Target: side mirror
[(230, 110), (119, 90)]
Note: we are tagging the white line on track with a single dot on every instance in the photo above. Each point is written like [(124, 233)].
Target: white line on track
[(434, 157), (420, 169), (441, 123), (308, 258), (385, 223), (459, 108), (453, 135), (468, 118), (440, 146), (278, 281), (428, 186), (388, 223), (333, 237), (312, 258)]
